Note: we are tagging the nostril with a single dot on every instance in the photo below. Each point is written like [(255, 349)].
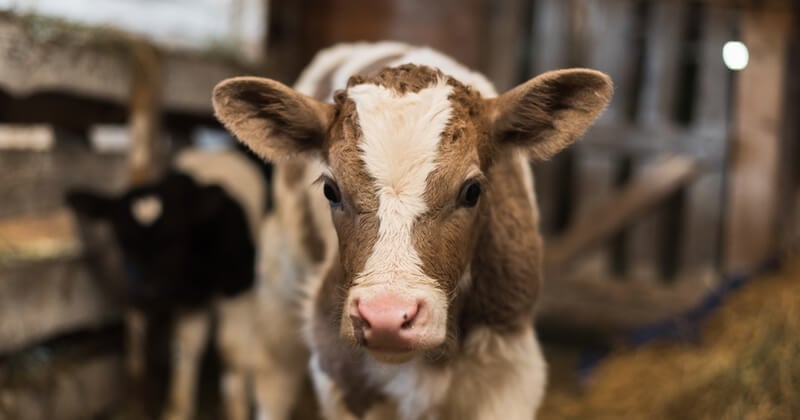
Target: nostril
[(357, 317), (409, 317)]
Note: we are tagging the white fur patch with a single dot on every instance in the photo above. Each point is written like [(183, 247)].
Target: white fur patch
[(323, 62), (147, 210), (329, 396), (495, 377), (363, 56), (400, 144)]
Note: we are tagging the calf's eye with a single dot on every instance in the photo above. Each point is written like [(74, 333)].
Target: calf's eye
[(470, 192), (332, 193)]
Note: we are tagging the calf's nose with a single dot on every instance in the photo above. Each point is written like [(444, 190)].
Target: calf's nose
[(388, 322)]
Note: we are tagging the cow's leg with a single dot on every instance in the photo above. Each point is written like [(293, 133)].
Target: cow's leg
[(276, 389), (136, 331), (236, 345), (136, 360), (235, 394), (281, 364), (190, 333)]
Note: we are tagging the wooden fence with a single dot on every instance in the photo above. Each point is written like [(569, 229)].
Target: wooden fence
[(679, 182)]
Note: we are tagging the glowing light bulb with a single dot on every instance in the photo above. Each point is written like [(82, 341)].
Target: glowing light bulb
[(735, 55)]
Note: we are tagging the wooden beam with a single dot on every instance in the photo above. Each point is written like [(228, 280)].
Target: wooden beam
[(39, 137), (706, 143), (145, 107), (45, 299), (95, 64), (62, 382), (34, 183), (750, 231), (622, 208), (48, 236), (587, 297)]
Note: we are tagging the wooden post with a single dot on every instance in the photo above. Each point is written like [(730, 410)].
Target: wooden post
[(622, 207), (145, 104), (699, 246), (750, 231)]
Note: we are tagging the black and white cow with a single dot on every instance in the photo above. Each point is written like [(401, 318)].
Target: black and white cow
[(189, 244)]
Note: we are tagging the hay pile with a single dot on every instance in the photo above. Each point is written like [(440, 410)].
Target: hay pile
[(747, 366)]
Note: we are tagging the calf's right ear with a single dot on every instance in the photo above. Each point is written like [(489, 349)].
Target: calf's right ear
[(91, 205), (271, 118)]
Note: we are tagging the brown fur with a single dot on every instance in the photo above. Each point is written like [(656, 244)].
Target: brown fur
[(356, 222), (312, 241), (402, 79), (341, 361), (254, 108), (549, 112), (506, 266), (293, 171), (499, 239)]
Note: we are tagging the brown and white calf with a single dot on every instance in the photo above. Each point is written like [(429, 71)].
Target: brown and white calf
[(423, 304)]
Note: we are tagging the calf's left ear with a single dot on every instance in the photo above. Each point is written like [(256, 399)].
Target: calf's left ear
[(272, 119), (549, 112)]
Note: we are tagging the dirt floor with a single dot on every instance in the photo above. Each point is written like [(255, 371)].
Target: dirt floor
[(745, 365)]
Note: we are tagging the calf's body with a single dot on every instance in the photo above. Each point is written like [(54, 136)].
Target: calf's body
[(421, 296), (189, 244)]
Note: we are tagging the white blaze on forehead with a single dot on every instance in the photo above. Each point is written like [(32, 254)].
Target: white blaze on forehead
[(400, 143), (146, 210)]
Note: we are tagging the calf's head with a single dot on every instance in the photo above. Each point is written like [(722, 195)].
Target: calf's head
[(407, 153)]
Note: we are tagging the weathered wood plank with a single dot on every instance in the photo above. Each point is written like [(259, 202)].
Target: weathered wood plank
[(587, 298), (700, 247), (750, 230), (26, 238), (610, 27), (552, 39), (713, 96), (645, 243), (144, 118), (789, 218), (44, 299), (594, 179), (645, 236), (54, 388), (637, 140), (35, 182), (26, 137), (32, 63), (550, 35), (660, 76), (504, 33), (622, 208), (547, 183)]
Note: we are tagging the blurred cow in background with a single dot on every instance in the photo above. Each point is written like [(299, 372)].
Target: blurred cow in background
[(189, 246)]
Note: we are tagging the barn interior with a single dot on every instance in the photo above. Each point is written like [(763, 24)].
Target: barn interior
[(672, 228)]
